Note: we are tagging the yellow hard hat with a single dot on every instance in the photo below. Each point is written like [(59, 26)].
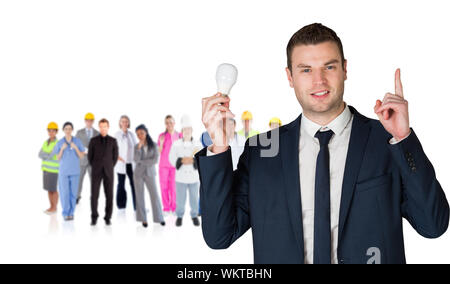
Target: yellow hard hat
[(275, 120), (89, 116), (246, 115), (53, 126)]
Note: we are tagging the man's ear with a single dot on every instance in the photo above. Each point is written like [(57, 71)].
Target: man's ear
[(345, 69), (289, 76)]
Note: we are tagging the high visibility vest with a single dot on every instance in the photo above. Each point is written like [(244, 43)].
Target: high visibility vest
[(50, 165), (251, 134)]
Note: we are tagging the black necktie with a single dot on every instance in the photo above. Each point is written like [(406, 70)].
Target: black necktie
[(322, 230)]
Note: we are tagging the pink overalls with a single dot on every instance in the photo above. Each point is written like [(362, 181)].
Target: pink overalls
[(167, 172)]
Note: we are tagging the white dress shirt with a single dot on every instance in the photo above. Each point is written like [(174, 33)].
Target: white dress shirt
[(237, 145), (309, 149), (89, 133)]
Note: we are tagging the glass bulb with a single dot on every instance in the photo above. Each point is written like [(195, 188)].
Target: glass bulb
[(226, 77)]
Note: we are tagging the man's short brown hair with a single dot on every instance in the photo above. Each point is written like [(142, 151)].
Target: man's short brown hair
[(103, 120), (313, 34)]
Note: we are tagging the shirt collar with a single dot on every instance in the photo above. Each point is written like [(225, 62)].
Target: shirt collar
[(337, 125)]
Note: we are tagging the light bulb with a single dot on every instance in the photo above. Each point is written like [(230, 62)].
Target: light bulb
[(226, 77)]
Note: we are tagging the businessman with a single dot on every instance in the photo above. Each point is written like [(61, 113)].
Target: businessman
[(339, 184), (85, 135), (103, 154)]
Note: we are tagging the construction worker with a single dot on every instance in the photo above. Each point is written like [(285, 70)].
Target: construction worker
[(274, 123), (247, 120), (50, 167), (85, 135)]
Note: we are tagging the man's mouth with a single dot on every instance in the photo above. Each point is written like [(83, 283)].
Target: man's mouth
[(321, 93)]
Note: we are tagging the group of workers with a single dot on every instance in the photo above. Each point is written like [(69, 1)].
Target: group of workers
[(132, 155)]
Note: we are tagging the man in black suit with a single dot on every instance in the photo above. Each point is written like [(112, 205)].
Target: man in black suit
[(103, 154), (330, 187)]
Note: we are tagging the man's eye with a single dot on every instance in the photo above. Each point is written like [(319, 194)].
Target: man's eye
[(306, 70), (330, 67)]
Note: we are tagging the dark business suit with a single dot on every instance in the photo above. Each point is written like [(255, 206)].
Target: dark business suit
[(103, 154), (382, 183)]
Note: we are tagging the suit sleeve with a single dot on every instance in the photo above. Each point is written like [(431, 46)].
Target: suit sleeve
[(424, 204), (151, 160), (137, 155), (115, 152), (91, 151), (154, 157), (223, 197)]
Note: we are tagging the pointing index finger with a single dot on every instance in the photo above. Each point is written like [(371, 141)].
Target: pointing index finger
[(398, 83)]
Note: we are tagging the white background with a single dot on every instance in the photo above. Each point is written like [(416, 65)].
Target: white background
[(61, 59)]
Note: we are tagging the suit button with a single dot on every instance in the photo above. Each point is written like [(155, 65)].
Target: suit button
[(413, 168), (341, 261)]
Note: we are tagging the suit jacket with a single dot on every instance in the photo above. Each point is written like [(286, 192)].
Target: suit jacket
[(145, 161), (382, 184), (103, 155), (81, 134)]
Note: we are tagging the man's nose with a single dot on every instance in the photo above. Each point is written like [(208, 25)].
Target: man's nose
[(318, 77)]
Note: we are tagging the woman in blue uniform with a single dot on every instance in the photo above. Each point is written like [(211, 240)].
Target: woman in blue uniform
[(69, 151)]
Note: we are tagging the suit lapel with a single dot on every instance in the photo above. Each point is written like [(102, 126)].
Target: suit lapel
[(289, 148), (356, 148)]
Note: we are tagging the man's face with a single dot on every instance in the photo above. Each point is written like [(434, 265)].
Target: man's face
[(230, 128), (318, 77), (104, 128), (274, 125), (89, 123), (247, 124)]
